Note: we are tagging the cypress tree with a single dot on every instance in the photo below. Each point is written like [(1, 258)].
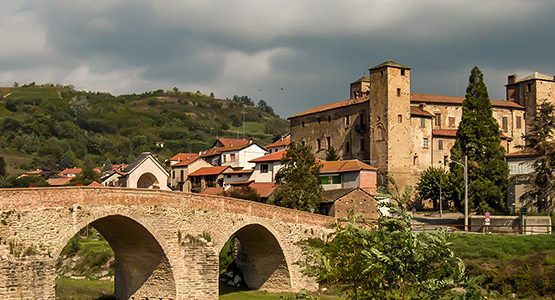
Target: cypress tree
[(478, 138)]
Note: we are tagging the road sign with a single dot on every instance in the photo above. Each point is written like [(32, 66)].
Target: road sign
[(487, 221)]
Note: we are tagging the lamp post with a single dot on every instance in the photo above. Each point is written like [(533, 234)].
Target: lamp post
[(465, 167)]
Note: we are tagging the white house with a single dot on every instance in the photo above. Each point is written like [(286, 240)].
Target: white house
[(240, 157), (145, 172), (266, 167), (237, 177), (346, 174), (280, 144), (213, 155)]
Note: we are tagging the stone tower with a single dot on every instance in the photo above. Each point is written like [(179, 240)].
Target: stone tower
[(389, 108), (360, 88), (529, 92)]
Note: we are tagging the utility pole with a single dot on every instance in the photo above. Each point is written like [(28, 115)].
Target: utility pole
[(465, 193)]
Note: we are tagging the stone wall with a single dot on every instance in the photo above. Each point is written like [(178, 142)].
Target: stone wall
[(181, 233), (512, 224)]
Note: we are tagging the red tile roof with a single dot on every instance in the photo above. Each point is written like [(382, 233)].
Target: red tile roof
[(243, 182), (186, 162), (247, 171), (229, 146), (68, 171), (330, 106), (276, 156), (59, 181), (209, 171), (264, 189), (417, 111), (96, 184), (343, 166), (183, 156), (441, 99), (280, 143), (212, 191)]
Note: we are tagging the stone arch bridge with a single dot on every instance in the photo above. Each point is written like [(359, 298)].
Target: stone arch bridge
[(166, 244)]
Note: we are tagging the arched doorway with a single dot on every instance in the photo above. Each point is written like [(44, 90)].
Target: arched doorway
[(139, 265), (148, 181), (254, 255)]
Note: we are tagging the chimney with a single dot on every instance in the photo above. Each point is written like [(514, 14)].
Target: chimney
[(511, 79)]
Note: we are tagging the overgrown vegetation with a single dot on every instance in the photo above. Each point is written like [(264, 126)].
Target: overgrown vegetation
[(53, 127)]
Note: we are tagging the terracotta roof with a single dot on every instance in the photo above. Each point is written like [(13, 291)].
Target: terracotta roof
[(229, 142), (331, 196), (243, 182), (59, 181), (390, 63), (264, 189), (186, 162), (247, 171), (183, 156), (426, 98), (209, 171), (417, 111), (276, 156), (212, 191), (74, 171), (217, 150), (330, 106), (444, 132), (94, 183), (342, 166), (280, 143)]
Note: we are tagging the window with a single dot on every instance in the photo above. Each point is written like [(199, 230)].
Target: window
[(399, 118), (438, 120), (173, 174), (440, 144), (347, 147), (529, 88), (380, 133), (182, 177), (362, 145), (415, 159), (398, 92), (319, 120), (347, 120), (425, 143), (318, 144), (518, 122), (302, 124), (329, 118), (228, 176), (324, 180), (361, 119), (334, 179), (505, 124), (422, 122), (445, 160), (264, 168), (240, 175), (328, 140), (402, 72), (232, 157), (451, 122), (381, 72)]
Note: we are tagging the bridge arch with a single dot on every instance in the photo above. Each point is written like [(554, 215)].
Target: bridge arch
[(260, 257), (142, 266)]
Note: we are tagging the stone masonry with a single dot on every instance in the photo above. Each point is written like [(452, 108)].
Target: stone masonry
[(166, 244)]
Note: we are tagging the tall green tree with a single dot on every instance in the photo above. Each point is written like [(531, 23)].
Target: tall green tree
[(390, 262), (432, 183), (298, 182), (478, 138), (538, 141)]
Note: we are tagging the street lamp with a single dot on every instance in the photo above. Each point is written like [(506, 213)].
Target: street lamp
[(465, 167)]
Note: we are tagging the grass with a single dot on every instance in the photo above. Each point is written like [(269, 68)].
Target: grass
[(83, 289), (500, 247)]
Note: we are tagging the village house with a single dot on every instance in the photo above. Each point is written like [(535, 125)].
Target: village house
[(402, 133), (240, 156), (214, 154), (179, 172), (342, 202), (207, 177), (237, 177), (520, 164), (267, 166), (280, 144), (144, 172), (347, 174), (179, 157)]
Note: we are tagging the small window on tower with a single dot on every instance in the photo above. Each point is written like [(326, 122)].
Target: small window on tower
[(438, 120), (347, 147), (529, 88), (347, 120), (318, 144), (518, 122), (451, 122), (399, 118), (329, 118), (328, 140), (505, 124), (319, 120), (402, 72), (445, 160), (362, 144), (398, 92), (440, 144), (422, 122), (425, 143)]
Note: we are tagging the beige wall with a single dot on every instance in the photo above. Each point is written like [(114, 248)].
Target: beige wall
[(357, 201), (333, 125)]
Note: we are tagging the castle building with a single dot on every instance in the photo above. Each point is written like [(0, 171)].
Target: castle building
[(384, 124)]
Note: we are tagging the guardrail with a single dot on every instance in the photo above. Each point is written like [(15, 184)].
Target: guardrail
[(492, 228)]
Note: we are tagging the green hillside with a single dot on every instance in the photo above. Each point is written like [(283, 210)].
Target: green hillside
[(53, 126)]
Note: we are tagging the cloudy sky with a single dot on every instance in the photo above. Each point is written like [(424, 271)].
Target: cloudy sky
[(293, 53)]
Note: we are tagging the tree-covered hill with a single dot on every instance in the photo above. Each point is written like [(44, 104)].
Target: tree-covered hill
[(53, 126)]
